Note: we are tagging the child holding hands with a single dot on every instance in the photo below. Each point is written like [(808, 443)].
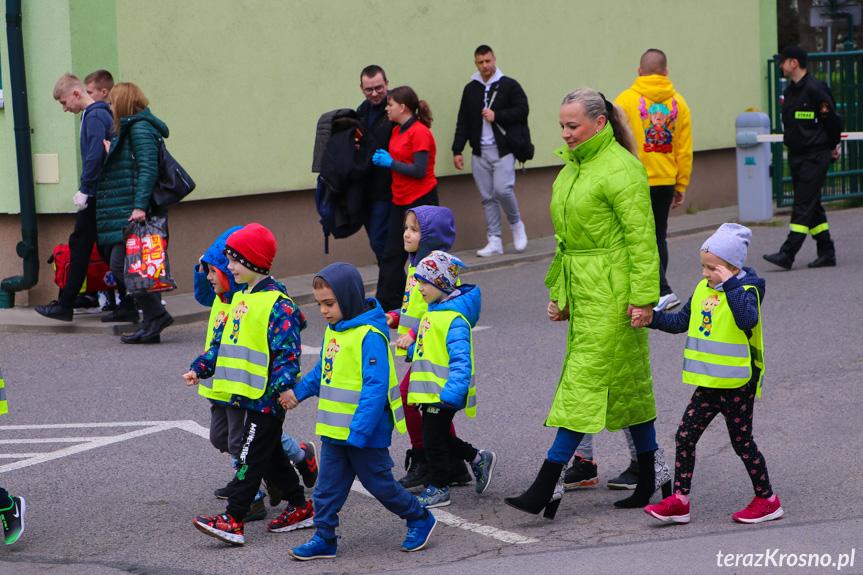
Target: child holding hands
[(724, 358)]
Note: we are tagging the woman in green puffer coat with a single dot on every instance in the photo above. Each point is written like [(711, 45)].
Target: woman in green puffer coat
[(129, 174), (606, 264)]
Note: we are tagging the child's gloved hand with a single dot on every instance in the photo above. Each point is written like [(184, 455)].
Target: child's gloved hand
[(404, 341), (191, 377), (382, 158), (80, 200)]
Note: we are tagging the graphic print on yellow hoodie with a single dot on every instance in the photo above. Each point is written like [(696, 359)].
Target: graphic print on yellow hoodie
[(660, 122)]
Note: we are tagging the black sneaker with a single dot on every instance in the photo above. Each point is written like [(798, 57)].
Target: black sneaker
[(417, 465), (308, 467), (626, 480), (87, 303), (54, 310), (581, 474), (779, 259), (257, 511), (13, 520), (225, 492)]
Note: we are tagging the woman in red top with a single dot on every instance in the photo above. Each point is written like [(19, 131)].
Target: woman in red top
[(411, 157)]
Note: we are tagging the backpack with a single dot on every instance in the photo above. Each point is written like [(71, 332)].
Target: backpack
[(99, 275)]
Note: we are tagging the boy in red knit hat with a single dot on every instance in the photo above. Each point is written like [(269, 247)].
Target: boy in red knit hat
[(256, 362)]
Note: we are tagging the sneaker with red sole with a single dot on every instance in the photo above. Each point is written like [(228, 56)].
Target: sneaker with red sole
[(308, 467), (221, 527), (670, 510), (292, 519), (758, 510)]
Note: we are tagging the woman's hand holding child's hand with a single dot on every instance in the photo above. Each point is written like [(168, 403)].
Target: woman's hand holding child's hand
[(288, 399), (191, 377), (641, 316), (404, 341), (555, 313)]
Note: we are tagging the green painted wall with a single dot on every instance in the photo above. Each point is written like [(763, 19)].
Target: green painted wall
[(241, 83)]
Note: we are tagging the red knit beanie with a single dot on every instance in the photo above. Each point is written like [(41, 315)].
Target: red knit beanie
[(253, 246)]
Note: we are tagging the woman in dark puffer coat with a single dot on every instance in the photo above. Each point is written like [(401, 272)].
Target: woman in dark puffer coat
[(129, 173)]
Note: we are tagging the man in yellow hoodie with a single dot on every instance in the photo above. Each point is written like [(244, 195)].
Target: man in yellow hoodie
[(659, 118)]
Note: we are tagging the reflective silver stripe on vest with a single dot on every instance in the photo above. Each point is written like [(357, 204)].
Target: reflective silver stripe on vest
[(399, 414), (424, 386), (440, 371), (244, 353), (716, 370), (471, 401), (717, 347), (340, 395), (394, 393), (208, 383), (240, 376), (2, 394), (342, 420), (412, 321)]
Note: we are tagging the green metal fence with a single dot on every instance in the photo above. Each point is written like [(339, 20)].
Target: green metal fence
[(843, 73)]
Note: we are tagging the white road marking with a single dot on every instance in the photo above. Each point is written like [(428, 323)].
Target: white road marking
[(86, 443), (480, 328), (455, 521)]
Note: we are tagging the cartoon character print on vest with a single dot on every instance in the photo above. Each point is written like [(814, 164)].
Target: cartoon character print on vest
[(239, 311), (412, 281), (659, 123), (426, 324), (332, 350), (707, 306), (221, 318)]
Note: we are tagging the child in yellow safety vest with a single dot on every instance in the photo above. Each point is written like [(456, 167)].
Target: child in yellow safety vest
[(11, 508), (443, 372), (255, 365), (214, 288), (724, 357), (359, 403), (427, 228)]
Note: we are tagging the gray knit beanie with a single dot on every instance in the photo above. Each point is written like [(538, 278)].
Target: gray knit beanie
[(730, 242)]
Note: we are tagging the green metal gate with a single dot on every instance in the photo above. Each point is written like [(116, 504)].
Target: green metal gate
[(843, 73)]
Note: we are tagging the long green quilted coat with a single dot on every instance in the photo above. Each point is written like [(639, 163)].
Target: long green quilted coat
[(129, 173), (606, 258)]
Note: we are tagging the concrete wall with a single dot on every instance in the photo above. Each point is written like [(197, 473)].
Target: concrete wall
[(241, 85)]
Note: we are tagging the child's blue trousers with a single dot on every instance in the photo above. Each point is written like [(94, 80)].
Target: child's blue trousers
[(339, 464)]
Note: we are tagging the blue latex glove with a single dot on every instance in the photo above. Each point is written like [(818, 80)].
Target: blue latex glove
[(382, 158)]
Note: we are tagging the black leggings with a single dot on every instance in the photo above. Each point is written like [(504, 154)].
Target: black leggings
[(736, 406), (391, 265)]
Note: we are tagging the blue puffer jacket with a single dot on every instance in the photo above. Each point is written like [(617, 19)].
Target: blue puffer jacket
[(215, 256), (372, 424), (467, 301)]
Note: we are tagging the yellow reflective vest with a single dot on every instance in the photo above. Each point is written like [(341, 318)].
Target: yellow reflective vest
[(430, 363), (718, 354), (242, 367), (342, 382), (4, 408), (219, 315), (413, 307)]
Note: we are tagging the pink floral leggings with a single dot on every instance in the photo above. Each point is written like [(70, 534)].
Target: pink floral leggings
[(736, 406)]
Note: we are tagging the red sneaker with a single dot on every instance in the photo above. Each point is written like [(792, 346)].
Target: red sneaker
[(292, 519), (670, 510), (221, 527), (758, 510)]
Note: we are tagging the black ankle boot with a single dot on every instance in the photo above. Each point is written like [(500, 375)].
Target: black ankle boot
[(417, 466), (653, 473), (545, 493)]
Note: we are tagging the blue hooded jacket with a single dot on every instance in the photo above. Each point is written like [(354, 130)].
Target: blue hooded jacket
[(372, 424), (437, 231), (215, 256), (467, 301)]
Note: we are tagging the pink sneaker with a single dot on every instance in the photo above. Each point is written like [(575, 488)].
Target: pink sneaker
[(758, 510), (670, 510)]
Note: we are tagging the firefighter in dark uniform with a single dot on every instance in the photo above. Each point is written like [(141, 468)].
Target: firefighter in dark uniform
[(812, 133)]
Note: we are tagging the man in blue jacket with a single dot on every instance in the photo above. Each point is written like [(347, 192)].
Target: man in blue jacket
[(97, 124)]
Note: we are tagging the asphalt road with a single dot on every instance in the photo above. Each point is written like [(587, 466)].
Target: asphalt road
[(120, 499)]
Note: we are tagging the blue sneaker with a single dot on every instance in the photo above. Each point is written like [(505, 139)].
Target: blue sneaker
[(483, 470), (434, 497), (316, 548), (419, 532)]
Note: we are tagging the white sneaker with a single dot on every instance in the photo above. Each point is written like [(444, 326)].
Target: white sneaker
[(519, 237), (493, 248), (667, 302)]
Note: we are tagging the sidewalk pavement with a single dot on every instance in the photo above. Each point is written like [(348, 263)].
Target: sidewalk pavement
[(185, 309)]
